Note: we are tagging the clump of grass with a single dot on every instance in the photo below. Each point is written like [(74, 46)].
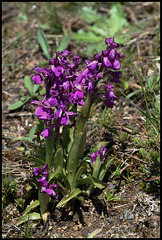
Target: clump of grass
[(149, 148), (149, 144), (8, 190)]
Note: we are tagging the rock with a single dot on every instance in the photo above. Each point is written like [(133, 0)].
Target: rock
[(127, 215)]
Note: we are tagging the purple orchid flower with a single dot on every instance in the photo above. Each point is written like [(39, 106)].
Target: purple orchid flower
[(102, 153), (50, 191), (37, 79), (66, 85), (43, 181)]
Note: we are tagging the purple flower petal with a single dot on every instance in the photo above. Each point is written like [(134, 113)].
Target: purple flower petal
[(38, 103), (37, 79), (106, 62), (54, 186), (44, 167), (109, 40), (65, 53), (53, 101), (112, 54), (120, 55), (49, 191), (38, 70), (115, 77), (91, 86), (46, 133), (58, 114), (44, 113), (65, 119), (116, 64), (43, 181), (92, 66), (36, 171), (93, 157)]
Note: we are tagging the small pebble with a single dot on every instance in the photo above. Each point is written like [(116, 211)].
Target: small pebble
[(75, 227), (111, 231), (131, 216), (50, 227), (64, 227), (111, 186), (127, 215)]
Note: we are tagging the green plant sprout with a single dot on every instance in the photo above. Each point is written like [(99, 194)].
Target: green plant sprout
[(8, 190), (32, 93), (99, 26), (109, 197)]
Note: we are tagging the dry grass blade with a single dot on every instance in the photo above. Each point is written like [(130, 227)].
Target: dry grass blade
[(94, 233)]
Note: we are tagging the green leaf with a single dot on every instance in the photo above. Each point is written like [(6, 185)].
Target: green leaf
[(31, 134), (67, 138), (96, 166), (122, 39), (64, 43), (110, 129), (89, 14), (27, 217), (39, 162), (32, 206), (76, 152), (83, 119), (28, 84), (77, 176), (43, 43), (91, 180), (43, 91), (40, 125), (63, 190), (53, 175), (98, 183), (97, 30), (60, 177), (117, 19), (104, 167), (43, 201), (67, 198), (23, 98), (58, 160), (35, 88), (45, 26), (49, 147), (91, 48), (40, 151), (134, 93), (87, 105), (19, 138), (88, 37), (18, 104)]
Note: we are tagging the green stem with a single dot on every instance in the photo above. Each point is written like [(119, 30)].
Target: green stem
[(90, 188), (96, 168), (49, 146), (57, 130), (43, 201), (84, 115)]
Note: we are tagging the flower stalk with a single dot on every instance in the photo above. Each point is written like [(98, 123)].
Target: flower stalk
[(49, 147), (84, 115)]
